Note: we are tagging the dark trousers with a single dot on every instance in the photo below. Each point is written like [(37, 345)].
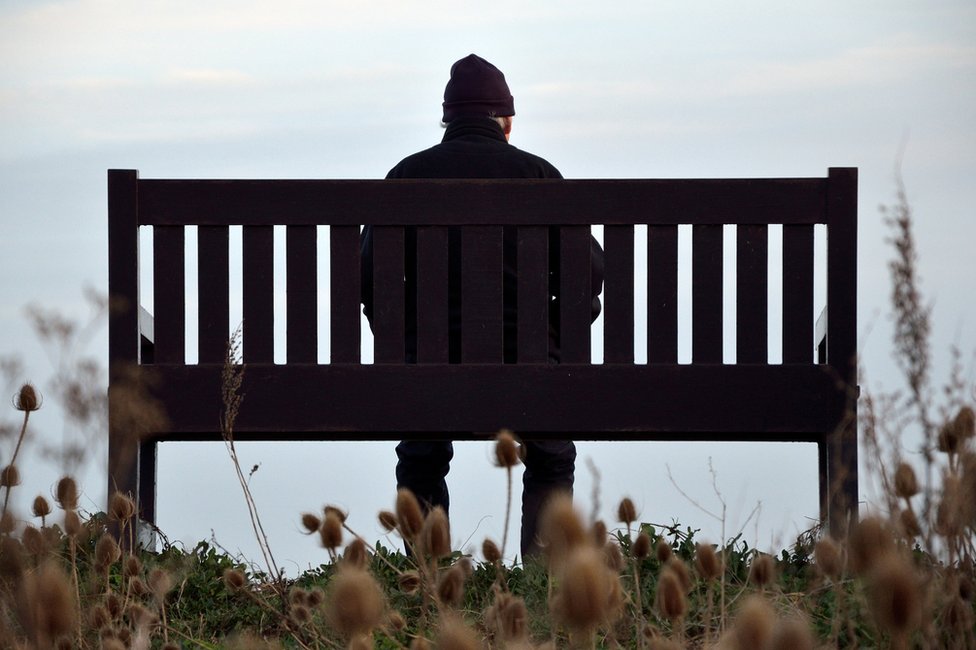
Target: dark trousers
[(549, 467)]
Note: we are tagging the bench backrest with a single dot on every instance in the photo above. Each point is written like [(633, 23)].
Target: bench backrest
[(800, 398)]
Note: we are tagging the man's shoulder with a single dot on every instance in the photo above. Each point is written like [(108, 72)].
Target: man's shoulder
[(461, 160)]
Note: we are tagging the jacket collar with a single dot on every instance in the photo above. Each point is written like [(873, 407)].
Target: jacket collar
[(473, 126)]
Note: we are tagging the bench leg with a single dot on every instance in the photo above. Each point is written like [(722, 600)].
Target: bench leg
[(123, 466), (837, 454)]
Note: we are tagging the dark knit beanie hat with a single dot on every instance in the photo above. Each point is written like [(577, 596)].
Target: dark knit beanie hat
[(477, 87)]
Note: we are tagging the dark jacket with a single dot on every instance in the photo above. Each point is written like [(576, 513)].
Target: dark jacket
[(475, 148)]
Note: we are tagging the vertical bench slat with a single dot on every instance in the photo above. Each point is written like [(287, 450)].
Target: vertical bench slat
[(432, 311), (169, 300), (533, 294), (301, 283), (798, 314), (258, 299), (662, 294), (345, 282), (481, 294), (752, 245), (574, 289), (213, 291), (388, 294), (706, 294), (618, 290)]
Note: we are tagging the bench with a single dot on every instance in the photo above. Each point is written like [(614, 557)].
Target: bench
[(809, 396)]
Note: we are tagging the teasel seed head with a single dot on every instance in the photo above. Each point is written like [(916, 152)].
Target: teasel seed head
[(508, 617), (965, 422), (626, 511), (40, 507), (160, 582), (315, 597), (613, 556), (356, 554), (409, 582), (562, 528), (454, 634), (47, 606), (121, 507), (72, 523), (435, 536), (909, 524), (7, 523), (234, 579), (681, 571), (331, 531), (9, 477), (762, 570), (66, 493), (107, 552), (894, 594), (599, 532), (408, 514), (297, 596), (33, 541), (354, 604), (906, 486), (98, 617), (139, 616), (949, 439), (791, 633), (707, 562), (310, 522), (387, 520), (828, 555), (396, 621), (27, 399), (133, 566), (491, 551), (670, 598), (663, 551), (506, 449), (450, 585), (869, 540), (300, 614), (138, 587), (588, 592), (754, 623), (338, 512), (641, 547)]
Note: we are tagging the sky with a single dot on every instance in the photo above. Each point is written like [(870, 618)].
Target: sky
[(649, 89)]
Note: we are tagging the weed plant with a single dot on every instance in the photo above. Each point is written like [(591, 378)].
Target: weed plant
[(903, 576)]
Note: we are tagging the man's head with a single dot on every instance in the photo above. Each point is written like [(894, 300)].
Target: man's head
[(478, 89)]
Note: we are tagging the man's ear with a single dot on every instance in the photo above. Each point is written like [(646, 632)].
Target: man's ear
[(507, 126)]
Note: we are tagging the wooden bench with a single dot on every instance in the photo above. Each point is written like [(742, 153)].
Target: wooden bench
[(810, 396)]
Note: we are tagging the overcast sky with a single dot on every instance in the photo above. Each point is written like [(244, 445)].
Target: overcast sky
[(324, 89)]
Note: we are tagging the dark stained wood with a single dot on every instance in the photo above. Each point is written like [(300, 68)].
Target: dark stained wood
[(589, 401), (618, 295), (574, 294), (752, 296), (481, 294), (123, 322), (533, 294), (798, 344), (662, 294), (345, 291), (389, 301), (432, 301), (706, 294), (147, 480), (301, 298), (258, 263), (169, 295), (842, 337), (213, 292), (501, 202)]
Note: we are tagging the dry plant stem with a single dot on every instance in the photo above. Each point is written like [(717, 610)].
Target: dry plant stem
[(508, 510), (13, 459), (231, 379)]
